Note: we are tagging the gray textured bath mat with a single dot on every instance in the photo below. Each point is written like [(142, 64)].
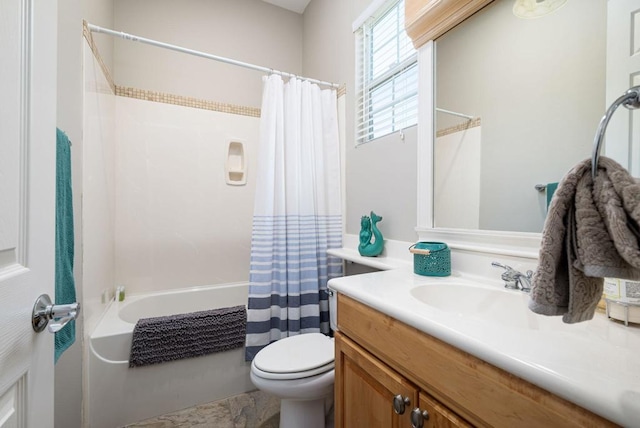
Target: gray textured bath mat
[(160, 339)]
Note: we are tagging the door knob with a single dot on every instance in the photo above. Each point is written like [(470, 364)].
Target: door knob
[(44, 311)]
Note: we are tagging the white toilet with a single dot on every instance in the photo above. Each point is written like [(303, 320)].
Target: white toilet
[(300, 371)]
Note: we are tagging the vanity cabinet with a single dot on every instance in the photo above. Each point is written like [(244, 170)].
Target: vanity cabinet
[(379, 357), (438, 416), (374, 395), (368, 389)]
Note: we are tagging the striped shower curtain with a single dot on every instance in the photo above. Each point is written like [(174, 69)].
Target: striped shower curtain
[(297, 213)]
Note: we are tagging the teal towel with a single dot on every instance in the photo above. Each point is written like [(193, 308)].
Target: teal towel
[(65, 286), (550, 190)]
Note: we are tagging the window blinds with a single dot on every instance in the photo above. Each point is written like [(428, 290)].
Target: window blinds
[(387, 75)]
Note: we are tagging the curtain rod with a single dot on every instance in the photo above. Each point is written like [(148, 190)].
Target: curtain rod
[(126, 36), (466, 116)]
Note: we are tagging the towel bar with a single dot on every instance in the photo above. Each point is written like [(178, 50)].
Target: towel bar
[(631, 100)]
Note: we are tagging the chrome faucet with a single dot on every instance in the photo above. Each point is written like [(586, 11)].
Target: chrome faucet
[(513, 279)]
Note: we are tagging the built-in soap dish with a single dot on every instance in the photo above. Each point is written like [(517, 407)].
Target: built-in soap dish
[(235, 167)]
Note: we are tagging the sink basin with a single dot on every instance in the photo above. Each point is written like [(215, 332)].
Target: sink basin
[(506, 307)]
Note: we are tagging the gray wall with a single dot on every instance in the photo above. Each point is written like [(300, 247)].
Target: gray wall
[(380, 175), (245, 30), (538, 86)]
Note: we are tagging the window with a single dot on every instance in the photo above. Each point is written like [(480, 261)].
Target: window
[(387, 75)]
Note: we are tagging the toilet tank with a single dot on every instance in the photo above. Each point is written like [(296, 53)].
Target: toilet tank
[(333, 309)]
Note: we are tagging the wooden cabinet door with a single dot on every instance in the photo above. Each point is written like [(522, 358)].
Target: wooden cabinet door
[(365, 389), (438, 415)]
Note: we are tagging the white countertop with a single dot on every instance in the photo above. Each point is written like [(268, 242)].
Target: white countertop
[(594, 364)]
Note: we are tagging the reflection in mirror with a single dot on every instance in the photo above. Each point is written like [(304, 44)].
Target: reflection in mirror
[(535, 92)]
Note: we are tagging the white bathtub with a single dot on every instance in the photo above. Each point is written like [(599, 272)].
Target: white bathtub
[(118, 395)]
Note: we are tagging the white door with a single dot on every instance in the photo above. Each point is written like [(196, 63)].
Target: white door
[(623, 71), (27, 203)]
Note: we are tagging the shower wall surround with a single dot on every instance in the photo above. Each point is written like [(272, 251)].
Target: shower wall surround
[(98, 189), (178, 224)]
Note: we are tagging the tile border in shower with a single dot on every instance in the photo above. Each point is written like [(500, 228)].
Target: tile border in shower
[(161, 97), (457, 128)]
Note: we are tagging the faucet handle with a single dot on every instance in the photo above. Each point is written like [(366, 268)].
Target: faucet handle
[(509, 276), (523, 281), (513, 279), (500, 265)]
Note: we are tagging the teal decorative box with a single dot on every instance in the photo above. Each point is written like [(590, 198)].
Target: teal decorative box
[(431, 258)]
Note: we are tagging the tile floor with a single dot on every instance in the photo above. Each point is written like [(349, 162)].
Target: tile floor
[(252, 410)]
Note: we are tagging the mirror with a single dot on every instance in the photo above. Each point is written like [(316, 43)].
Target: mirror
[(535, 92)]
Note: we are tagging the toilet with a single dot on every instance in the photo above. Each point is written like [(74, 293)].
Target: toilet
[(300, 371)]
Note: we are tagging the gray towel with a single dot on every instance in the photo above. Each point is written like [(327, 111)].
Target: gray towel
[(591, 232), (161, 339)]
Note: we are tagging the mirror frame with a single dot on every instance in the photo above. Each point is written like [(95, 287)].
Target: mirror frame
[(426, 20)]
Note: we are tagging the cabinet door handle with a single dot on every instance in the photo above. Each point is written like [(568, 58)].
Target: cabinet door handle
[(418, 417), (400, 403)]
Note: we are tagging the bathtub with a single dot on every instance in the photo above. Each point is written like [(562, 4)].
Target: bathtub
[(118, 395)]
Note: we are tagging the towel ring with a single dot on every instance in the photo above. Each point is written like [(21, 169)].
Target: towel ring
[(631, 100)]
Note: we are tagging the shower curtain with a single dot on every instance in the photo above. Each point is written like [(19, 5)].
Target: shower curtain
[(297, 213)]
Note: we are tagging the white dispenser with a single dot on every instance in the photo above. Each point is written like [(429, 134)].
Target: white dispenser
[(623, 299)]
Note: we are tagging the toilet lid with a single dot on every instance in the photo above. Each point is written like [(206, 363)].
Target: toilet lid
[(296, 354)]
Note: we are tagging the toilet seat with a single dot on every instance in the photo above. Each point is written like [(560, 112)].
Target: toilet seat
[(295, 357), (293, 375)]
